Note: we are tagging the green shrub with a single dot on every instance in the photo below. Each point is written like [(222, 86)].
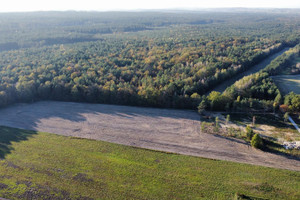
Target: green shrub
[(217, 122), (227, 119), (249, 132), (202, 106), (286, 116), (256, 141)]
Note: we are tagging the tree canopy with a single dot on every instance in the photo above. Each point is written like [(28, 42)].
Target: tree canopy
[(147, 59)]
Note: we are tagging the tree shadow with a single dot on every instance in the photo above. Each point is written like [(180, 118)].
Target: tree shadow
[(27, 116), (70, 119), (260, 119), (10, 135), (240, 141), (273, 147)]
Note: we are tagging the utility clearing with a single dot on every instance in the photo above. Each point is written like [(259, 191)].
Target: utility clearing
[(288, 83), (168, 130)]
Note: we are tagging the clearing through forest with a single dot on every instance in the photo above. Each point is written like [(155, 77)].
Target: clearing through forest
[(256, 68), (176, 131), (287, 83)]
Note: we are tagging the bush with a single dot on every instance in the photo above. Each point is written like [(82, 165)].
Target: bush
[(286, 117), (202, 106), (227, 119), (217, 122), (257, 142), (249, 132)]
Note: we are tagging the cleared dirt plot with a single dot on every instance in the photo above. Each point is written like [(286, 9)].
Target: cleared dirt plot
[(167, 130), (288, 83)]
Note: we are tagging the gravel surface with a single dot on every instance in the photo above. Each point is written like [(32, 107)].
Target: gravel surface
[(176, 131)]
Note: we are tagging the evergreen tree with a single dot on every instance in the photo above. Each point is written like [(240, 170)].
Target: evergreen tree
[(257, 141)]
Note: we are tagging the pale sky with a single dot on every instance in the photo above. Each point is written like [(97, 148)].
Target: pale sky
[(106, 5)]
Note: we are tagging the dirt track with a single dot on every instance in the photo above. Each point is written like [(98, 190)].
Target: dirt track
[(168, 130)]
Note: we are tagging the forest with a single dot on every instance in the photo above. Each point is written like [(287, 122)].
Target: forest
[(157, 59), (258, 91)]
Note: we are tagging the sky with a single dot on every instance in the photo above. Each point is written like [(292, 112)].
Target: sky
[(108, 5)]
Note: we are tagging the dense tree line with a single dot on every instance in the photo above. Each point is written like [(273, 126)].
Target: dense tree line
[(292, 100)]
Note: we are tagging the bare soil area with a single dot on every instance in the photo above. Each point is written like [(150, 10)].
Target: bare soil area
[(176, 131)]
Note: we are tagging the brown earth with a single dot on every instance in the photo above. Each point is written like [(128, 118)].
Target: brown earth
[(176, 131)]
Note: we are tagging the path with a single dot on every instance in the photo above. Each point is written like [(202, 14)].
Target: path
[(294, 124)]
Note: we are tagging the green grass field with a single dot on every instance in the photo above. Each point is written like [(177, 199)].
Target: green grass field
[(37, 165), (288, 83)]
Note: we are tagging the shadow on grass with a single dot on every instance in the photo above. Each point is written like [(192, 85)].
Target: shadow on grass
[(273, 147), (9, 135), (245, 197), (272, 120), (240, 141), (266, 119)]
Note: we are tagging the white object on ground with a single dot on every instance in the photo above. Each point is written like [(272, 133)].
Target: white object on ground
[(292, 145)]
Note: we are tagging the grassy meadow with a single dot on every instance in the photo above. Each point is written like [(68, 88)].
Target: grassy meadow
[(36, 165), (288, 83), (297, 60)]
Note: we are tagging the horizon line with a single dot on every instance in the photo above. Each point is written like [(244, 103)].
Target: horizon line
[(157, 9)]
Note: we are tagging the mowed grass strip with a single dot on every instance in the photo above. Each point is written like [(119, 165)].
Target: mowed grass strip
[(46, 166), (288, 83)]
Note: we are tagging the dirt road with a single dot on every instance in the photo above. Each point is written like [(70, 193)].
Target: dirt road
[(167, 130)]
